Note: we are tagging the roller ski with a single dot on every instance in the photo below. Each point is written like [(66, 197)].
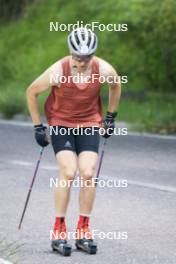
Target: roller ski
[(87, 245), (61, 247), (84, 240), (59, 240)]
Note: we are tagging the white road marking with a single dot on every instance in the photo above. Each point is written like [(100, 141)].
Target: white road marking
[(21, 163), (136, 134), (143, 184), (104, 177), (16, 123), (153, 186), (30, 164)]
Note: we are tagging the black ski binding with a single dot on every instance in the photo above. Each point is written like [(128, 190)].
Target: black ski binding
[(87, 245), (61, 247)]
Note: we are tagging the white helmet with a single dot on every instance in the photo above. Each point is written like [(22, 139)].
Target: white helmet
[(82, 42)]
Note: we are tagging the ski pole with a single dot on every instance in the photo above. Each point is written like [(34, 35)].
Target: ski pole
[(100, 161), (30, 188)]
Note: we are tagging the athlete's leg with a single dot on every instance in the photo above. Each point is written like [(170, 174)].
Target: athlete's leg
[(63, 143), (87, 161), (67, 161)]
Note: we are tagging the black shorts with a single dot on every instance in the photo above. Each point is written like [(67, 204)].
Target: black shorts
[(82, 139)]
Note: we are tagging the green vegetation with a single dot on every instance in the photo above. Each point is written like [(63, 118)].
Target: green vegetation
[(9, 251), (155, 113), (145, 53)]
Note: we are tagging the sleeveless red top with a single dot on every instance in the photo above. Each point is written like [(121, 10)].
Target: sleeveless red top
[(72, 104)]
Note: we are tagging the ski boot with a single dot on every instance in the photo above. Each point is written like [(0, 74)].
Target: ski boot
[(84, 240), (59, 239)]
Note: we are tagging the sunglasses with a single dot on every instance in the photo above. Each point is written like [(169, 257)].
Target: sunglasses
[(82, 58)]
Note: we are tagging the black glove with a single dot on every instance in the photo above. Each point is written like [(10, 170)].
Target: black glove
[(109, 124), (40, 135)]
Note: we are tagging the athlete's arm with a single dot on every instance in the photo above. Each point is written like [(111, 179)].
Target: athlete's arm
[(41, 84), (113, 81)]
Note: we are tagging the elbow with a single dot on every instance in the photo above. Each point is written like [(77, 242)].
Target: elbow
[(30, 92)]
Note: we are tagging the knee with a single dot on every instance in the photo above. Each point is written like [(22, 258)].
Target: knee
[(87, 174), (68, 174)]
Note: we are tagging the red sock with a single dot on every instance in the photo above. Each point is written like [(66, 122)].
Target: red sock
[(59, 228), (82, 229), (59, 220), (83, 219)]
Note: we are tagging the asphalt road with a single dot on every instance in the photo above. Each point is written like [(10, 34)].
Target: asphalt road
[(145, 210)]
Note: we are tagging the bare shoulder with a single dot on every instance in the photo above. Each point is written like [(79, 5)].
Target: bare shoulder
[(55, 72), (56, 67), (106, 68)]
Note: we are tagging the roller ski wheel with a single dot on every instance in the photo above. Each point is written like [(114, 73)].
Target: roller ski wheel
[(61, 247), (86, 245)]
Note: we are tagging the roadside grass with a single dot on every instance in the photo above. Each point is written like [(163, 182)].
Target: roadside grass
[(12, 102), (8, 251), (155, 113)]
